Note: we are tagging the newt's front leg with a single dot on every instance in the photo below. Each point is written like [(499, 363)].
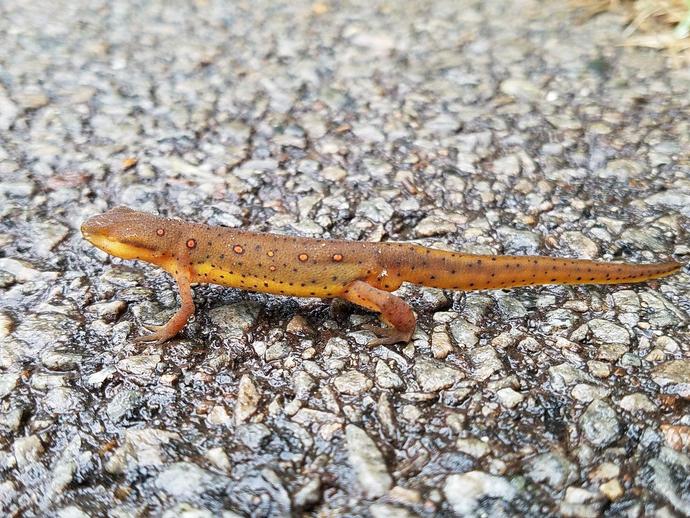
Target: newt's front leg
[(179, 319), (394, 311)]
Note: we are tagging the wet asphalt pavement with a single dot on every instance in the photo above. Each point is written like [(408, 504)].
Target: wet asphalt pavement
[(492, 127)]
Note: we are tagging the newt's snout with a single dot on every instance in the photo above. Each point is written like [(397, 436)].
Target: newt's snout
[(102, 224), (122, 232), (93, 226)]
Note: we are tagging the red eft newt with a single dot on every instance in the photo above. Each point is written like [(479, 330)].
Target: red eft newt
[(360, 272)]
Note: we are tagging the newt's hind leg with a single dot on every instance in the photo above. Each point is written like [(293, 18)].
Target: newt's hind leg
[(394, 311)]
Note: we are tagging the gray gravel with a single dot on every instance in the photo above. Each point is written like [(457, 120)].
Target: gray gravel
[(493, 127)]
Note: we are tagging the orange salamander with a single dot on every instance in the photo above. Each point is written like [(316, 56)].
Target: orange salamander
[(360, 272)]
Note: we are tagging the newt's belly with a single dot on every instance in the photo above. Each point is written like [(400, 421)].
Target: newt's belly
[(301, 286)]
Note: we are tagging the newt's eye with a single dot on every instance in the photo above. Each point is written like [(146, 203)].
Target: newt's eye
[(160, 232)]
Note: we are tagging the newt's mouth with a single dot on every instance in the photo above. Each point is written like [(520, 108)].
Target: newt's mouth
[(94, 226), (123, 248), (87, 233)]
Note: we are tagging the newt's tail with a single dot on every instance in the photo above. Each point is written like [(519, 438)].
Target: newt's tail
[(452, 270)]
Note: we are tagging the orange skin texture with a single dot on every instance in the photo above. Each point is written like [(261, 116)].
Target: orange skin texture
[(361, 272)]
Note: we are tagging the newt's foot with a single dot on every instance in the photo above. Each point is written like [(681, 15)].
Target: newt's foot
[(153, 328), (159, 335), (387, 335)]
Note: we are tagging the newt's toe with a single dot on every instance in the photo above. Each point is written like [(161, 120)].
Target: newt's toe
[(160, 335), (387, 335)]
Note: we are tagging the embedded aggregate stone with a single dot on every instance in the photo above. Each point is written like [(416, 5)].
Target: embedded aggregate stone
[(433, 375), (669, 473), (27, 450), (40, 331), (600, 424), (637, 403), (352, 382), (184, 480), (139, 448), (509, 398), (608, 332), (367, 462), (674, 377), (485, 362), (385, 377), (8, 381), (553, 469), (248, 396), (465, 492), (516, 127)]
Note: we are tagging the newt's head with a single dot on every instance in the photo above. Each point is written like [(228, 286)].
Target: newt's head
[(131, 234)]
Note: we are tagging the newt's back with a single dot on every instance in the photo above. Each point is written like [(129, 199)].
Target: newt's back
[(276, 263)]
